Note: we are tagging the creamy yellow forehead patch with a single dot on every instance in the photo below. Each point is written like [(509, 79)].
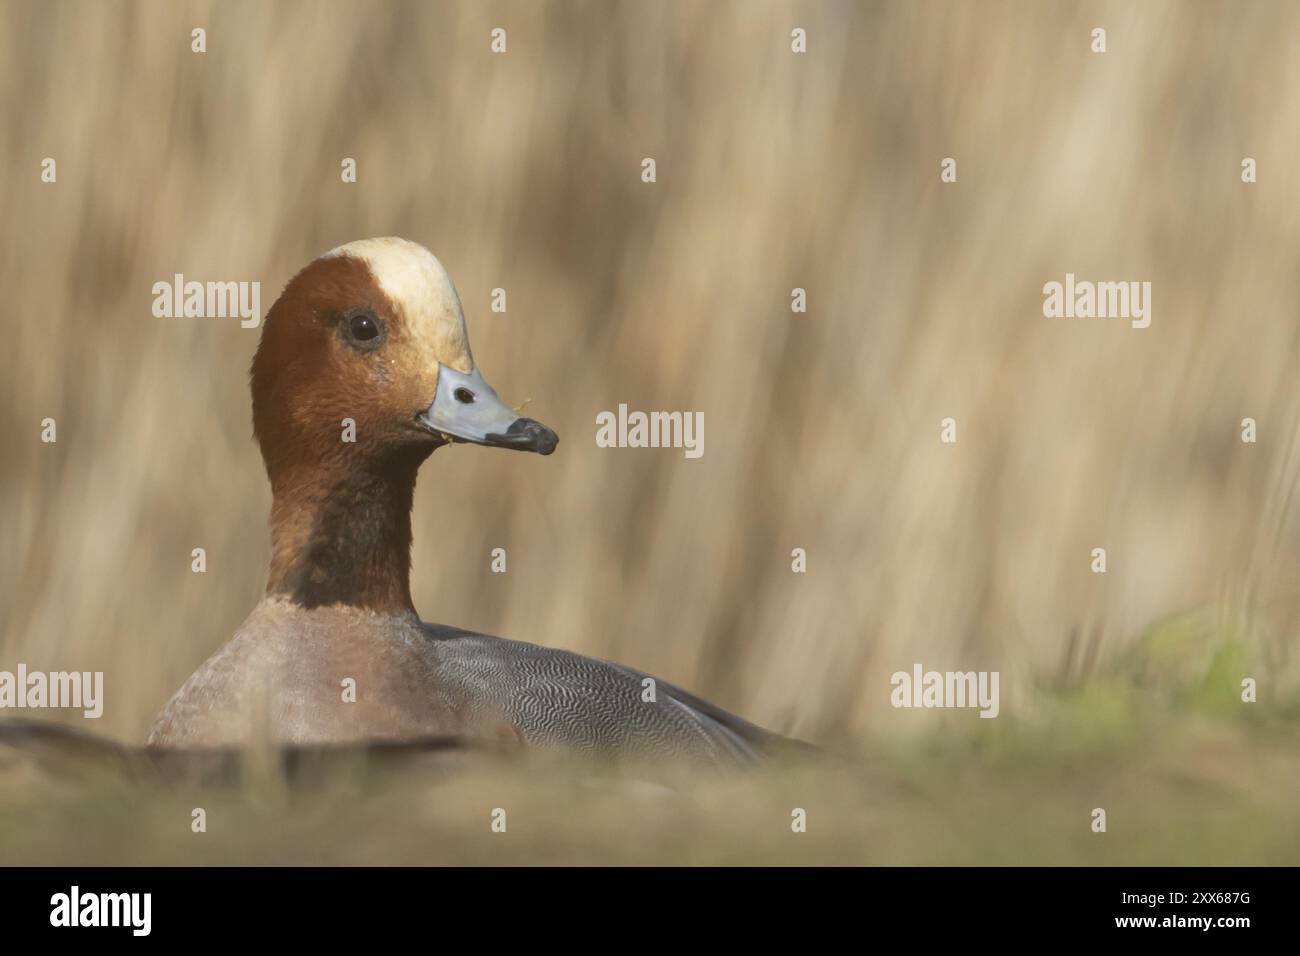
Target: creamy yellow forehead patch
[(413, 278)]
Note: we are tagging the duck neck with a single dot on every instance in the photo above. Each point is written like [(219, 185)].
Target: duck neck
[(344, 536)]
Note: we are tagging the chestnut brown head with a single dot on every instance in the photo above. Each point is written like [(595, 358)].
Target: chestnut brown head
[(373, 333)]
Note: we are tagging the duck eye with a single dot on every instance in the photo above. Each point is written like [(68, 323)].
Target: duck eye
[(363, 327), (464, 396)]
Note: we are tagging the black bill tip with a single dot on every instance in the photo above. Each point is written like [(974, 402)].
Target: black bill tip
[(525, 434)]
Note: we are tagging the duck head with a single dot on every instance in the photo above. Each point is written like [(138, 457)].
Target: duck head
[(362, 371), (373, 332)]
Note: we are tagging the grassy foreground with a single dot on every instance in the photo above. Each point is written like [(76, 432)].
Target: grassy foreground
[(1195, 793)]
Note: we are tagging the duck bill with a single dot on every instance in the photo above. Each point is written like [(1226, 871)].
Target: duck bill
[(466, 408)]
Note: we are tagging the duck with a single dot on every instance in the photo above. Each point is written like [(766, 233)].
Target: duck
[(373, 333)]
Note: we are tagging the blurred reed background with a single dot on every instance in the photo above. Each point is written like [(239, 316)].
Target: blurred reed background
[(819, 171)]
